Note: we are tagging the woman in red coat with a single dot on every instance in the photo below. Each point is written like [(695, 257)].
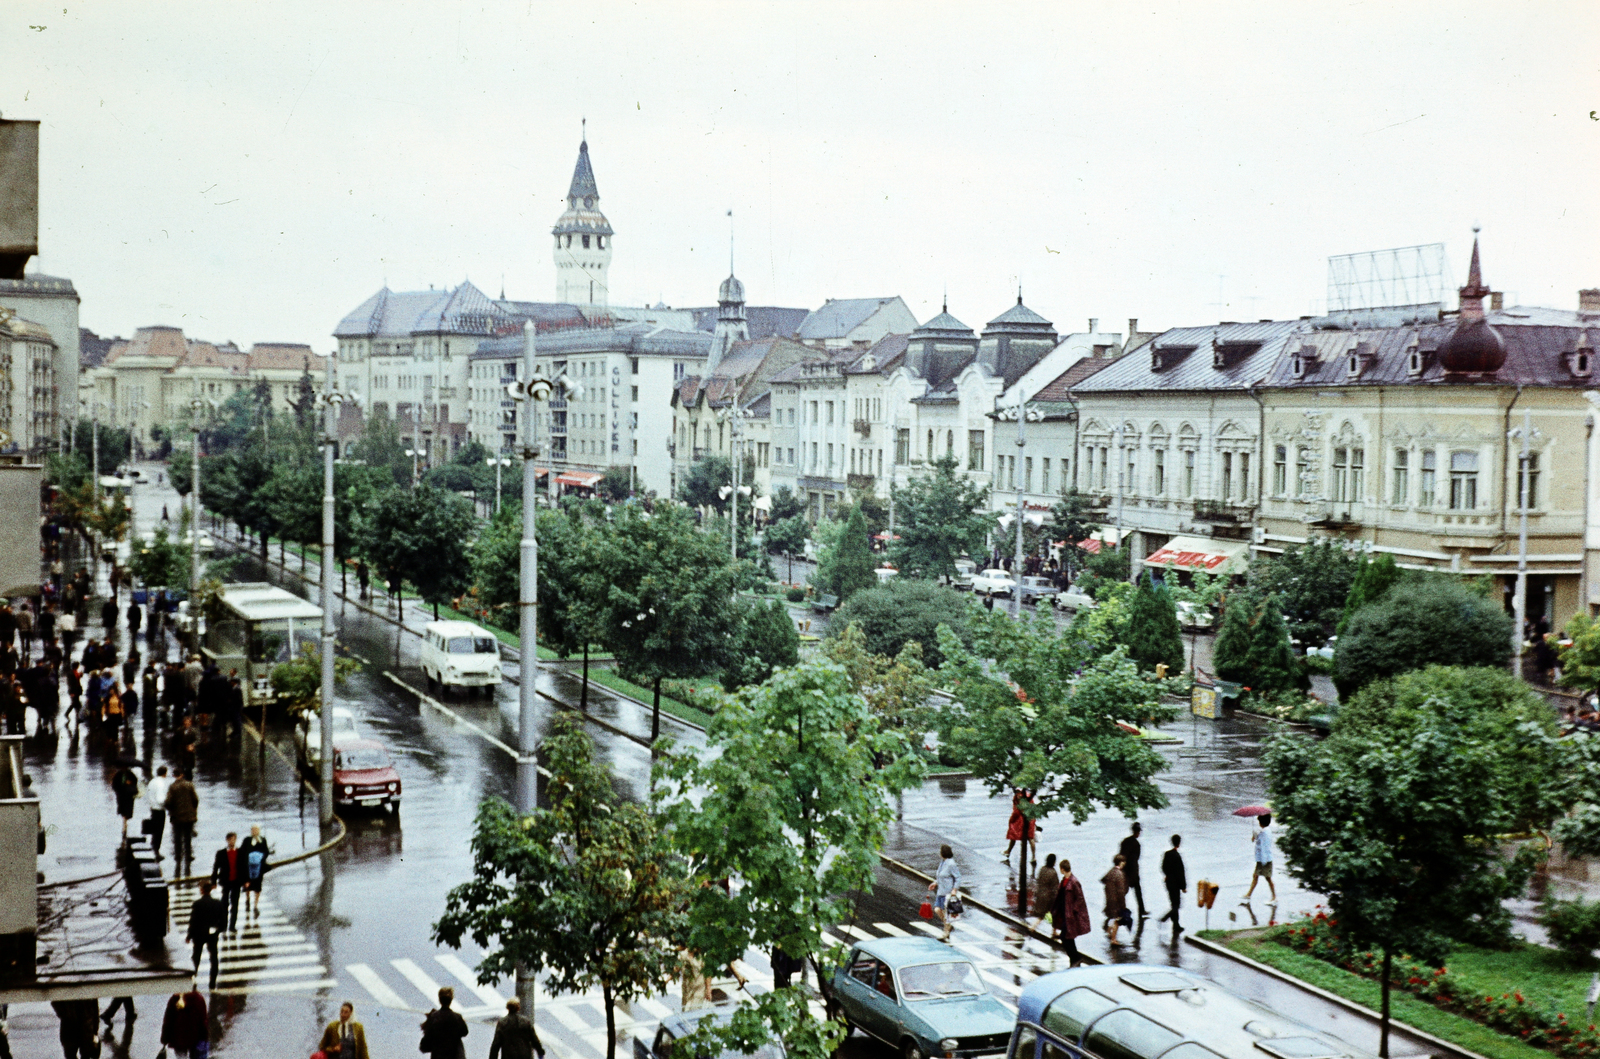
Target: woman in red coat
[(1020, 827), (1070, 913)]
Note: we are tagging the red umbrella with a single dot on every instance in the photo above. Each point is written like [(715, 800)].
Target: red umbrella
[(1252, 810)]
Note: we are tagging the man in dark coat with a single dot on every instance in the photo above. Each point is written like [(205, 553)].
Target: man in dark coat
[(1130, 867), (514, 1035), (444, 1030), (205, 925), (135, 619), (228, 872), (1177, 881), (8, 624), (80, 1027), (108, 617)]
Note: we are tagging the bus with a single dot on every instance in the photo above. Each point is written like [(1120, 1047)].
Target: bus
[(1137, 1011)]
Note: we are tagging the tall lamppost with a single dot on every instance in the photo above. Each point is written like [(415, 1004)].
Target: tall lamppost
[(196, 406), (497, 462), (1023, 415), (331, 399), (413, 454), (1525, 434), (735, 416)]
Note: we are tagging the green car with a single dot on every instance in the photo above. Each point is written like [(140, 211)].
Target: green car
[(921, 997)]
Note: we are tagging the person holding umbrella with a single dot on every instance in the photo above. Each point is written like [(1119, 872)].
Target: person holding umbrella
[(1262, 842)]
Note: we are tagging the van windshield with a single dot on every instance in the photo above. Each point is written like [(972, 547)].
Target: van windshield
[(470, 645)]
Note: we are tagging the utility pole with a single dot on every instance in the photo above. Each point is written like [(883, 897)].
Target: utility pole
[(195, 405), (1526, 436), (330, 429), (1016, 574), (528, 597), (1122, 467)]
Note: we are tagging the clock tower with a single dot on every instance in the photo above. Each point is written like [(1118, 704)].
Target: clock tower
[(583, 240)]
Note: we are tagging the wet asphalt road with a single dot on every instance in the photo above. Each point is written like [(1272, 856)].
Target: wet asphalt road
[(355, 923)]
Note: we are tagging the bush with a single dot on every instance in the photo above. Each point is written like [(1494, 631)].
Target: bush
[(1574, 927), (796, 595), (1431, 620), (902, 610)]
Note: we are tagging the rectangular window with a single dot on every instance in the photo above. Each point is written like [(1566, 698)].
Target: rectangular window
[(1044, 475), (1244, 476), (830, 413), (1159, 486), (633, 365), (813, 457), (1130, 483), (1188, 472), (1027, 474), (1533, 481), (830, 446), (975, 453), (791, 457), (999, 471), (813, 413), (1341, 475), (1463, 481), (1105, 458), (1425, 486), (880, 461), (1227, 476), (1400, 491), (1280, 470), (1302, 471), (1358, 473), (635, 394)]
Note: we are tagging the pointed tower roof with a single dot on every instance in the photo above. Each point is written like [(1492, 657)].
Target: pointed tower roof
[(583, 176), (1473, 347), (1475, 291)]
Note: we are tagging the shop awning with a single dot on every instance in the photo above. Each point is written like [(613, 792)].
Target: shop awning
[(1093, 542), (1202, 553), (581, 479)]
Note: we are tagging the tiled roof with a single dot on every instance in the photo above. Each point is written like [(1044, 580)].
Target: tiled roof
[(583, 175), (39, 283), (92, 349), (465, 311), (887, 354), (281, 356), (1018, 314), (944, 326), (159, 341), (1057, 389), (1534, 357), (1250, 350), (764, 320), (838, 317)]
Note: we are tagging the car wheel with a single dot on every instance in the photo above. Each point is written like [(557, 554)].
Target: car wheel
[(910, 1050), (429, 678)]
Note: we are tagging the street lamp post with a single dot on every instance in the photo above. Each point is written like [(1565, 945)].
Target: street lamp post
[(1524, 434), (1023, 414), (196, 405), (497, 462), (735, 416), (413, 453), (331, 399)]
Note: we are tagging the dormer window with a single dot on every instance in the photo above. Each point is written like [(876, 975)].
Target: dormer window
[(1414, 361), (1354, 367), (1297, 366), (1580, 362)]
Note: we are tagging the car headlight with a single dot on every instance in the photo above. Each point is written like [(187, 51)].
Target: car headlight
[(393, 787), (949, 1044), (349, 791)]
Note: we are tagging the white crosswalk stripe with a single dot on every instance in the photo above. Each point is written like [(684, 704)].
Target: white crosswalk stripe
[(267, 953), (374, 984), (469, 978), (419, 978)]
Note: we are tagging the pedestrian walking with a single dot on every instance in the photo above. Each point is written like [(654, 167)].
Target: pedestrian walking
[(1045, 885), (8, 623), (135, 619), (124, 1003), (24, 632), (67, 629), (13, 704), (228, 873), (125, 786), (184, 1025), (205, 926), (255, 868), (1070, 913), (514, 1035), (80, 1028), (164, 516), (444, 1031), (188, 744), (47, 623), (1130, 851), (1116, 891), (944, 884), (1020, 827), (108, 617), (183, 809), (233, 705), (345, 1038), (1177, 883), (155, 800), (1262, 840), (75, 691)]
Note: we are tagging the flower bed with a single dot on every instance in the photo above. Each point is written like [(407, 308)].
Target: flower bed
[(1510, 1012)]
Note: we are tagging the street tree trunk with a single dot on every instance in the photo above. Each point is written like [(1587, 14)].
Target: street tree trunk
[(655, 713), (583, 695), (611, 1020), (265, 556), (1383, 1024)]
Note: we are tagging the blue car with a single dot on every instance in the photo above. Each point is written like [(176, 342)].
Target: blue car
[(922, 998)]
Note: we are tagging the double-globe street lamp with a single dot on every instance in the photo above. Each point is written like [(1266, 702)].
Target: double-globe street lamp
[(497, 462)]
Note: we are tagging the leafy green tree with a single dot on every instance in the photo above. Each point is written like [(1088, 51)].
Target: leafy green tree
[(1433, 620), (668, 606), (1074, 518), (1154, 636), (355, 486), (874, 509), (702, 486), (852, 566), (897, 689), (113, 445), (1402, 824), (571, 594), (1270, 664), (787, 536), (1312, 582), (298, 682), (766, 641), (1230, 652), (793, 795), (160, 562), (1028, 714), (1580, 660), (421, 535), (617, 484), (380, 446), (938, 517), (1373, 578), (585, 889), (293, 495), (1102, 570), (496, 563), (900, 611), (785, 504)]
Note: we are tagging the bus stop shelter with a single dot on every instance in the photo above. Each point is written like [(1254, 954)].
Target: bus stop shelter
[(261, 626)]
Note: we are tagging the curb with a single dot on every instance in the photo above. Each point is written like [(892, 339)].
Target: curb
[(1443, 1047), (1003, 916)]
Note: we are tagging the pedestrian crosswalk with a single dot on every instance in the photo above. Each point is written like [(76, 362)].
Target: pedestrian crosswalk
[(266, 954)]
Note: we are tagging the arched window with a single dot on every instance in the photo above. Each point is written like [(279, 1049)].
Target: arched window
[(586, 242)]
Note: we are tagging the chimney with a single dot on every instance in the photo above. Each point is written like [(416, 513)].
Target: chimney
[(1589, 300), (1094, 324), (1133, 327), (1497, 300)]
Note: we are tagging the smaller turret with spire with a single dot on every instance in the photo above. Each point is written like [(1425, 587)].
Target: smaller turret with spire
[(1474, 347)]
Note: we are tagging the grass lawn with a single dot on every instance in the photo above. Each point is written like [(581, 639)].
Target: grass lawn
[(680, 710), (1543, 975), (1403, 1006)]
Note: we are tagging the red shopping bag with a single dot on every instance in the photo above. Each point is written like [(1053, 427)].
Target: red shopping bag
[(926, 911)]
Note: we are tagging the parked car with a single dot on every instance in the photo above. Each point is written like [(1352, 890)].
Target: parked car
[(1326, 650), (921, 998), (675, 1027), (964, 571), (364, 776), (1074, 598), (308, 733), (1039, 590), (1194, 617), (993, 580), (459, 654)]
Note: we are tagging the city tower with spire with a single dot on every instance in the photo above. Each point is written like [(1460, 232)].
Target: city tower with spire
[(583, 239)]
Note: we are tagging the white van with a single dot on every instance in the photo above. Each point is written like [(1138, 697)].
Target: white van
[(459, 654)]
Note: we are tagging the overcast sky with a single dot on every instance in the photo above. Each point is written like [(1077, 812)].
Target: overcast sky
[(253, 172)]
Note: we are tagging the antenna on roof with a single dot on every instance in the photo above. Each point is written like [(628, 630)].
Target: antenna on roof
[(730, 242), (585, 130), (502, 286), (944, 306), (1019, 294)]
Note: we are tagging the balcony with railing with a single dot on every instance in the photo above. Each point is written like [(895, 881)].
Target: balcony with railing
[(863, 427), (860, 481), (1223, 512)]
